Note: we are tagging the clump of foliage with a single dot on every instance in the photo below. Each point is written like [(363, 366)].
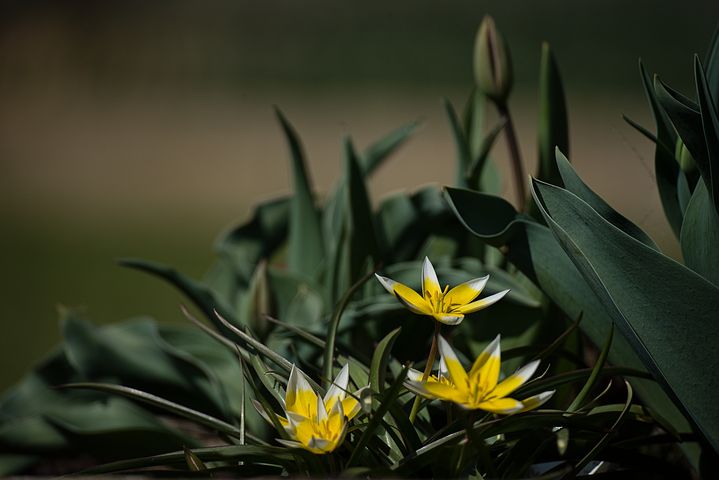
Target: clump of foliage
[(302, 361)]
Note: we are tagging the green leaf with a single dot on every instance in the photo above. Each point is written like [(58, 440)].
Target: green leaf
[(646, 294), (231, 454), (476, 169), (386, 402), (712, 64), (159, 402), (306, 251), (552, 127), (193, 461), (464, 156), (596, 371), (114, 427), (360, 220), (245, 245), (665, 165), (380, 359), (204, 298), (135, 355), (574, 184), (700, 235), (607, 436), (534, 250), (710, 126), (329, 352), (374, 155)]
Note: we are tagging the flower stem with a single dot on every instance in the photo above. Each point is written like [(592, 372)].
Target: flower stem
[(427, 369), (515, 158)]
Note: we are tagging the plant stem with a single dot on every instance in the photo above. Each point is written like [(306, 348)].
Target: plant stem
[(427, 369), (515, 158)]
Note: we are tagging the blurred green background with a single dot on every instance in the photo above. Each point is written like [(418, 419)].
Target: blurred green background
[(145, 128)]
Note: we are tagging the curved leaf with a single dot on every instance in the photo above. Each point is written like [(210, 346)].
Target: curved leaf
[(258, 238), (306, 251), (665, 165), (646, 294), (373, 156), (700, 235), (710, 126), (534, 250), (380, 359), (552, 127), (574, 184)]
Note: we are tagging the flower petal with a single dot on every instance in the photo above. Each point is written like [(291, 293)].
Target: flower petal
[(406, 295), (443, 372), (449, 318), (480, 304), (465, 292), (455, 369), (299, 397), (485, 370), (321, 410), (514, 381), (351, 406), (414, 375), (289, 443), (536, 401), (442, 391), (430, 284), (338, 389), (501, 405)]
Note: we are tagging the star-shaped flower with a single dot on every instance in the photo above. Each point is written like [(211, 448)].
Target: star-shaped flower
[(480, 388), (445, 305), (312, 422)]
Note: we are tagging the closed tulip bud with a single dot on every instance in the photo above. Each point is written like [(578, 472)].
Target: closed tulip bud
[(492, 62), (684, 157)]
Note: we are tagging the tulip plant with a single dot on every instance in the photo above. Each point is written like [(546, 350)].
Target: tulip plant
[(310, 347)]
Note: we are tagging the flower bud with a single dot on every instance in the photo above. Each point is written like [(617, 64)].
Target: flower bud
[(492, 62), (684, 157)]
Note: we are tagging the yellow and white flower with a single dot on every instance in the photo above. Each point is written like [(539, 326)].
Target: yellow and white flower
[(445, 305), (315, 423), (480, 388)]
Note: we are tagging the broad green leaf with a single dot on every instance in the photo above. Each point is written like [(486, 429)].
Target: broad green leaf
[(646, 295), (552, 127), (257, 238), (534, 250), (306, 252), (374, 155), (574, 184), (113, 428), (700, 235), (134, 354)]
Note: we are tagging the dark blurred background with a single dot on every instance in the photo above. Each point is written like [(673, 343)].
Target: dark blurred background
[(145, 128)]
